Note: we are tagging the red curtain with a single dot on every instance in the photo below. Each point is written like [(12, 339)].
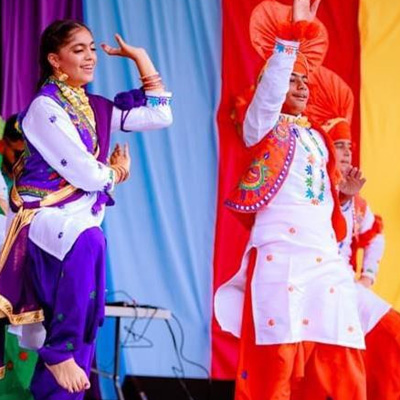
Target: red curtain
[(240, 68)]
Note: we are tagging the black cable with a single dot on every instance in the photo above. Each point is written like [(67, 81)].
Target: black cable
[(181, 349), (126, 294), (180, 356), (138, 337), (180, 369)]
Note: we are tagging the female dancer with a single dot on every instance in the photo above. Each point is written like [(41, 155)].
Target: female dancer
[(52, 263)]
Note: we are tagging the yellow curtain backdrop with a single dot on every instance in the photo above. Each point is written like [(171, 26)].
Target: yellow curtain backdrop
[(380, 130)]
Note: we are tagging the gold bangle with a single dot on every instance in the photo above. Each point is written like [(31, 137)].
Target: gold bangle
[(149, 76), (153, 87)]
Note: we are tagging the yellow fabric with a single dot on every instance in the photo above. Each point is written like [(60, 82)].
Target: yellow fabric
[(380, 130)]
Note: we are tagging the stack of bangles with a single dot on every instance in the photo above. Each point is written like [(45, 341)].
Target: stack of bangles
[(152, 82), (121, 173)]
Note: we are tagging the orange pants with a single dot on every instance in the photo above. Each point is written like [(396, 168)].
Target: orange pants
[(382, 358), (299, 371)]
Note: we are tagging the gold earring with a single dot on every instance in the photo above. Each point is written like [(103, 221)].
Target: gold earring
[(61, 76)]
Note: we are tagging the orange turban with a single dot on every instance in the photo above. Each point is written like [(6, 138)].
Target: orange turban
[(331, 103), (271, 19)]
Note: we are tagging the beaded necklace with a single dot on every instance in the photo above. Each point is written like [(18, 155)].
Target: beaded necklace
[(76, 96)]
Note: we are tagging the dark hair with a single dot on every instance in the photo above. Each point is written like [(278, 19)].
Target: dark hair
[(11, 133), (56, 35)]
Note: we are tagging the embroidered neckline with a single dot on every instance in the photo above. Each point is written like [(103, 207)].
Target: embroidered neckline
[(77, 97), (315, 174), (299, 120)]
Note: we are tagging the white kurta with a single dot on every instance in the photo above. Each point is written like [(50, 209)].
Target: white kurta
[(301, 288), (373, 253), (371, 307), (48, 127)]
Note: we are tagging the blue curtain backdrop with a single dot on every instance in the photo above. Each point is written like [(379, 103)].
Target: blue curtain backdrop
[(161, 232)]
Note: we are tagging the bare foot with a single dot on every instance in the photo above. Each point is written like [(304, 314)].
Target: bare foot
[(70, 376)]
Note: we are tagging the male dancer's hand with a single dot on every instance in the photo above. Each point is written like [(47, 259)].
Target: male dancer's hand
[(365, 281), (352, 182), (303, 10)]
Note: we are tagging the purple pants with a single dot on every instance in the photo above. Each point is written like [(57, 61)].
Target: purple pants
[(71, 293)]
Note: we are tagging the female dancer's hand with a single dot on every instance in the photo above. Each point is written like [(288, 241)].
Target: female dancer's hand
[(303, 10), (120, 156), (137, 54)]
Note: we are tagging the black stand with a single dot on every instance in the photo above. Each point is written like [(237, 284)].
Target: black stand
[(117, 359)]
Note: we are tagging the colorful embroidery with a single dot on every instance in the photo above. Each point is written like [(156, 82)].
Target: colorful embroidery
[(282, 131), (155, 101), (81, 122), (267, 172), (33, 191), (60, 317), (255, 176), (315, 174), (285, 48), (47, 180), (69, 346)]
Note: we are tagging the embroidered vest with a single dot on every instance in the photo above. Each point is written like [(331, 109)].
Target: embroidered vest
[(35, 176), (267, 172)]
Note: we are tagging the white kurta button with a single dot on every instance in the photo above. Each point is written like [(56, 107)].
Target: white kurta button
[(271, 322)]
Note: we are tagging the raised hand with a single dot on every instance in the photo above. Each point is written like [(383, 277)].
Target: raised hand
[(137, 54), (305, 10), (352, 182), (124, 49)]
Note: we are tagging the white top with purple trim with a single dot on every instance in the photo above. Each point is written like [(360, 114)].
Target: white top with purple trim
[(50, 130), (301, 288)]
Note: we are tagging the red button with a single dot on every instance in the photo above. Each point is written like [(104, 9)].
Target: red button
[(269, 257), (271, 322)]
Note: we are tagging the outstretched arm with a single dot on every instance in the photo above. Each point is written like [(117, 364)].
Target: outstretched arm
[(303, 10), (139, 56), (266, 105)]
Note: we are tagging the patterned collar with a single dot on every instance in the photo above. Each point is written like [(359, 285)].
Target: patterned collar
[(293, 119)]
